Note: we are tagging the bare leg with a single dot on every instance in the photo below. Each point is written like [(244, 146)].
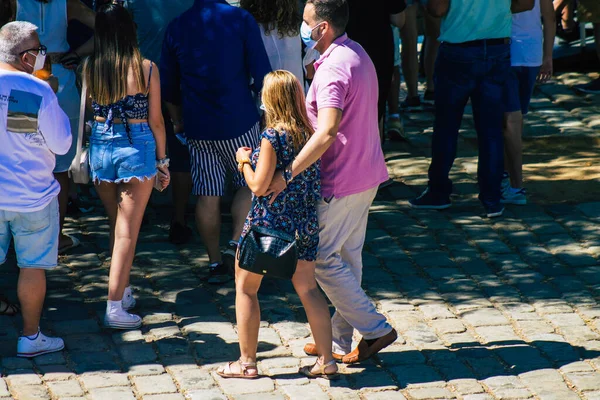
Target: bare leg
[(208, 220), (133, 198), (247, 311), (108, 195), (31, 290), (182, 187), (432, 30), (63, 201), (513, 147), (410, 65), (317, 310), (239, 211)]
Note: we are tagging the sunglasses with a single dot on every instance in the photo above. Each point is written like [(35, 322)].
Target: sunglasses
[(41, 50)]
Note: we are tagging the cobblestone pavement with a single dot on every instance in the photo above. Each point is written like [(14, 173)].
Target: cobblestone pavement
[(502, 309)]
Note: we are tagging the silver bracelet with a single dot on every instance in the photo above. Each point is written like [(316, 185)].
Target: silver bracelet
[(163, 162)]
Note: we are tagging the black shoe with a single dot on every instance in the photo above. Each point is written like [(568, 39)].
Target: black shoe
[(179, 234), (430, 201), (218, 274), (229, 255), (411, 103), (429, 98), (593, 87), (494, 211)]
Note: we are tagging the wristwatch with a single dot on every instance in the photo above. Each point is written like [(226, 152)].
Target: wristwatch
[(163, 162), (242, 162), (287, 174)]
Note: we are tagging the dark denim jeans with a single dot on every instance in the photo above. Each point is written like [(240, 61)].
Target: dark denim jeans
[(477, 73)]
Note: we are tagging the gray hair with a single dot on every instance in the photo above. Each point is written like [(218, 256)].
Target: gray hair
[(13, 36)]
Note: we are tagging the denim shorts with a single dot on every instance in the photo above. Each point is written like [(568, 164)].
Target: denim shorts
[(117, 157), (519, 88), (35, 235)]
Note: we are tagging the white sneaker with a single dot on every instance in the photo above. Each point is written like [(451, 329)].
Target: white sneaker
[(128, 301), (42, 344), (121, 319)]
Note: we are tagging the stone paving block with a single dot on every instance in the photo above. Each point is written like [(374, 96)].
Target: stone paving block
[(154, 384), (23, 378), (30, 392), (262, 396), (14, 363), (466, 386), (548, 384), (117, 393), (387, 395), (94, 362), (484, 317), (585, 381), (478, 396), (243, 386), (373, 379), (51, 359), (430, 393), (193, 379), (496, 333), (138, 353), (444, 326), (210, 394), (3, 389), (69, 388), (87, 343), (145, 370), (507, 387), (311, 391), (436, 311), (128, 337), (104, 380), (414, 374), (74, 327), (164, 396), (51, 373)]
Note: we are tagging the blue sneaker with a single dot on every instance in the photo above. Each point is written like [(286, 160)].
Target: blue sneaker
[(430, 201), (512, 196), (505, 185), (494, 211)]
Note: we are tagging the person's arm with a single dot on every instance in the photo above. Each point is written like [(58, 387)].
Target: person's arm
[(549, 21), (255, 55), (518, 6), (155, 117), (170, 83), (54, 125), (258, 181), (326, 133), (76, 10), (438, 8)]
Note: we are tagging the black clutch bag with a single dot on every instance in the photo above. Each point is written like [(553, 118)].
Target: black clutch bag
[(268, 252)]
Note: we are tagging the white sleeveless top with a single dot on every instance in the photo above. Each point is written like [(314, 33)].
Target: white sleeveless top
[(284, 53), (51, 20), (527, 38)]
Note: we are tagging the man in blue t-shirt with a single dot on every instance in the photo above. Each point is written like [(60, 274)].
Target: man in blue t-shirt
[(472, 63), (210, 54)]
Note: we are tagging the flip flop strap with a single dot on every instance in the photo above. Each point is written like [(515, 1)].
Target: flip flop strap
[(332, 362)]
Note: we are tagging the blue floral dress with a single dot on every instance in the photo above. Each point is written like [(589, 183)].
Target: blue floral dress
[(295, 209)]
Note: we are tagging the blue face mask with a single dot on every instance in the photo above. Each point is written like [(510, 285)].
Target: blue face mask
[(306, 35)]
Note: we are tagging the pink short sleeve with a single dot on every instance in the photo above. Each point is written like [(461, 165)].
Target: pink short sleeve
[(332, 88)]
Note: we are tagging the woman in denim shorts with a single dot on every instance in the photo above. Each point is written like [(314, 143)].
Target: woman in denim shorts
[(127, 146)]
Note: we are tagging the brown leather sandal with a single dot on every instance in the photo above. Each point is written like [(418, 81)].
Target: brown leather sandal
[(307, 371), (244, 367)]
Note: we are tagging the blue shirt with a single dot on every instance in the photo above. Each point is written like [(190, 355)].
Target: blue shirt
[(152, 19), (210, 53), (469, 20)]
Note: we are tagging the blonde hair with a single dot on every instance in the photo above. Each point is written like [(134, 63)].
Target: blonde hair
[(283, 98)]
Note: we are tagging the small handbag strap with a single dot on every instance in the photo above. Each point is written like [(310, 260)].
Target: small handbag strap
[(81, 123)]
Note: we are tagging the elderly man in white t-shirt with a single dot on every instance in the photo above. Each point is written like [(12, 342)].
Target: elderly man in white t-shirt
[(33, 129)]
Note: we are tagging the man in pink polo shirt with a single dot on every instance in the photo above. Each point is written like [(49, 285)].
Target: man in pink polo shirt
[(342, 106)]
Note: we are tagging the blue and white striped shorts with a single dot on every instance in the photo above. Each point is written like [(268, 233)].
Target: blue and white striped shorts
[(212, 158)]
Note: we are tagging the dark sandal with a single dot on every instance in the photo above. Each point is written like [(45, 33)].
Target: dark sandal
[(307, 371), (244, 367), (7, 308)]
